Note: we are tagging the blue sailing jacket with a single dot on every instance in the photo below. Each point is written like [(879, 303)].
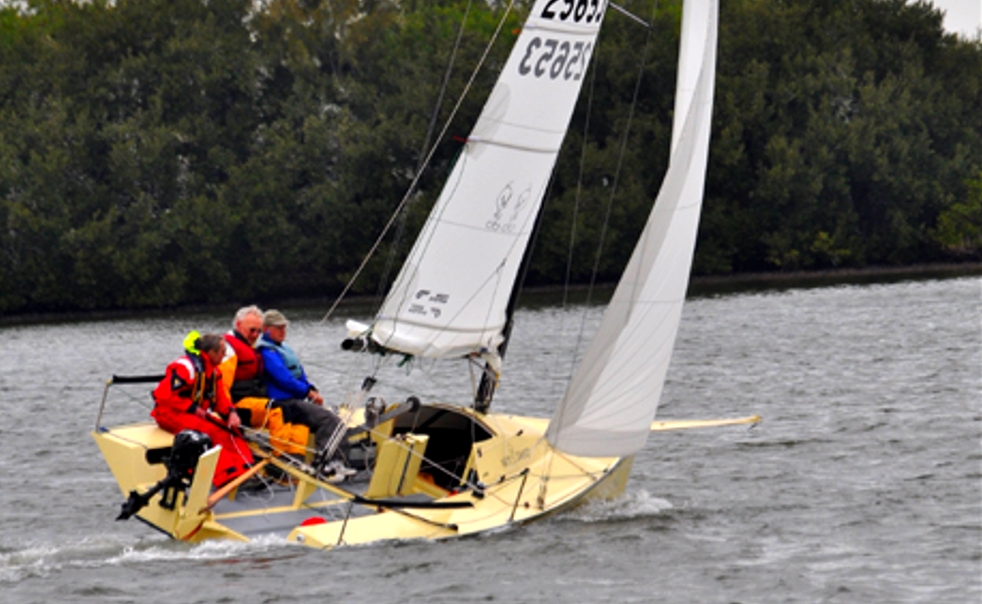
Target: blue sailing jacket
[(285, 377)]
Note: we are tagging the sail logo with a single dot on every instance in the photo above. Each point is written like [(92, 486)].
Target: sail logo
[(507, 209)]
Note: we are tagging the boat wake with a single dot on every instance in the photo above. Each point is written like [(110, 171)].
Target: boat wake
[(45, 560), (631, 506)]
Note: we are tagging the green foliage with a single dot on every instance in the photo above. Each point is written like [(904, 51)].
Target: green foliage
[(843, 130), (156, 153), (959, 227)]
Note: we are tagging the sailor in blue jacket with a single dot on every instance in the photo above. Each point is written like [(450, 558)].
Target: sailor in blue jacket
[(290, 390), (285, 377)]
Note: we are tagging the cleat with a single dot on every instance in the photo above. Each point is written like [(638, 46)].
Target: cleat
[(336, 472)]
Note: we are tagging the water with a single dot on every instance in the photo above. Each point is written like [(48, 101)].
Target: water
[(863, 484)]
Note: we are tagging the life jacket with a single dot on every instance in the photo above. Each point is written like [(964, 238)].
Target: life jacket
[(290, 358), (202, 392), (249, 364), (242, 369), (200, 387)]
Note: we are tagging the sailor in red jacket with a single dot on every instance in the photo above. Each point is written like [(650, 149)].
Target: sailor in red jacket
[(247, 380), (191, 397)]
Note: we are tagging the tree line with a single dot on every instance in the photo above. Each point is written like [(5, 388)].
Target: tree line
[(156, 153)]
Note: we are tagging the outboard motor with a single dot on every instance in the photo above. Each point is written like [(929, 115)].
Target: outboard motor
[(188, 447)]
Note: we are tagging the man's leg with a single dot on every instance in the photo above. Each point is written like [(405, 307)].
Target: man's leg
[(321, 421)]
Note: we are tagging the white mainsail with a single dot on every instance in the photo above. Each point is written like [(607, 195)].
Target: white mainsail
[(451, 296), (614, 393)]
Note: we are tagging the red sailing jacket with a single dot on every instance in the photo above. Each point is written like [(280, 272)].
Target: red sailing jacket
[(191, 382), (249, 364)]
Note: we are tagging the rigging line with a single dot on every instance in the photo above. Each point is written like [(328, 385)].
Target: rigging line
[(275, 443), (482, 368), (132, 441), (424, 243), (384, 279), (517, 285), (380, 361), (497, 275), (443, 525), (426, 162), (492, 375), (136, 399), (557, 453), (531, 246), (576, 200), (631, 15), (475, 386), (579, 187), (617, 173), (443, 87), (630, 117), (501, 482)]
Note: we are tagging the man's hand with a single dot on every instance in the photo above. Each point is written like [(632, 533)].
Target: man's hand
[(233, 420)]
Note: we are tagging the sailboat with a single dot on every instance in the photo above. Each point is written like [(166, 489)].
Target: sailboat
[(435, 470)]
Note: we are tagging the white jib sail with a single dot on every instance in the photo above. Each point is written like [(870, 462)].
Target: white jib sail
[(613, 395), (451, 295)]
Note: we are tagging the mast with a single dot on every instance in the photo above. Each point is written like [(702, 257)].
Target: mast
[(491, 374)]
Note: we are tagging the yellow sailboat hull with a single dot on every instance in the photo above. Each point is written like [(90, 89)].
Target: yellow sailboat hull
[(511, 477)]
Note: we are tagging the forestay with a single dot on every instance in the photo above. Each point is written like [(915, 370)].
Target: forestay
[(450, 297), (612, 397)]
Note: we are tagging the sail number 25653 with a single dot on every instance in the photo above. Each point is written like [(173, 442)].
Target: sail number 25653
[(556, 58), (578, 11)]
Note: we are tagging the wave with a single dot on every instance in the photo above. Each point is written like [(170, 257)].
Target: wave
[(45, 559), (631, 506)]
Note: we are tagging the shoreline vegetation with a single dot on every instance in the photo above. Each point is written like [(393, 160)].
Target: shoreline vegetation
[(699, 286), (180, 154), (843, 276)]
